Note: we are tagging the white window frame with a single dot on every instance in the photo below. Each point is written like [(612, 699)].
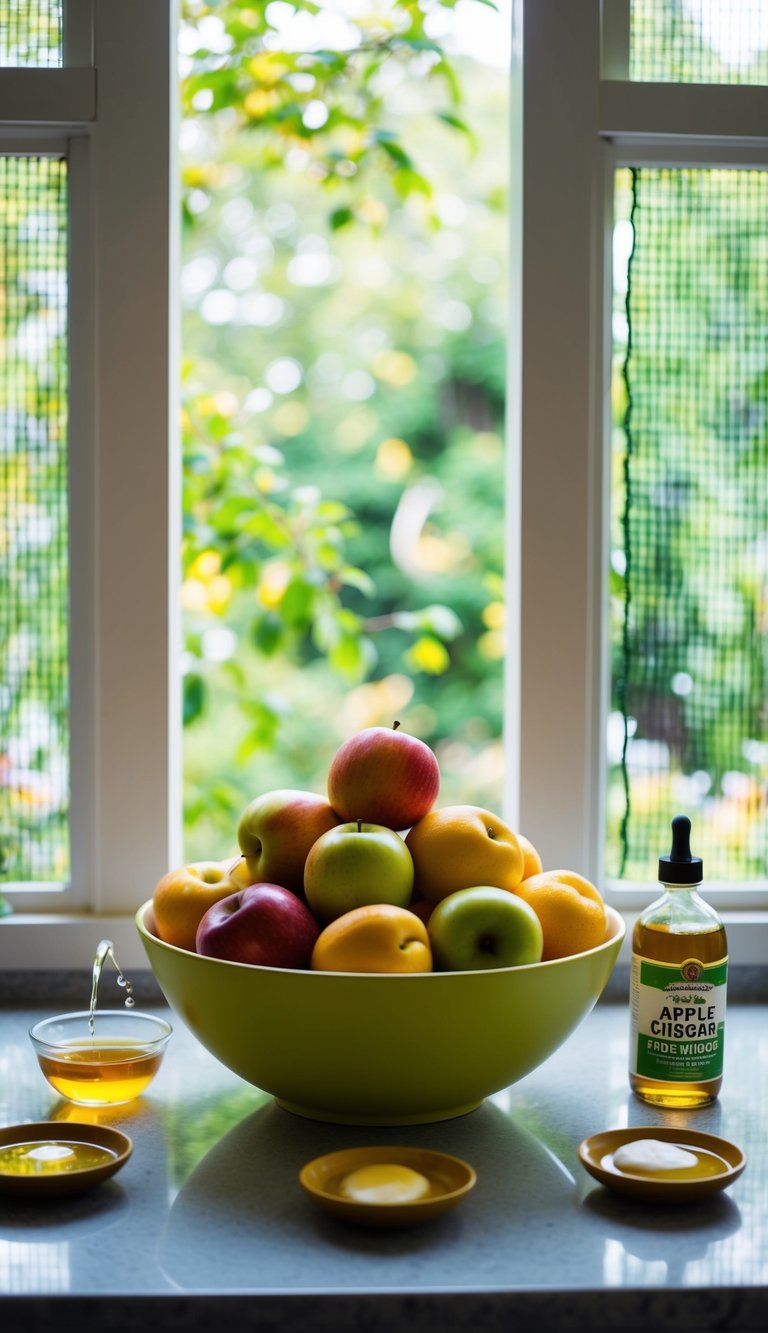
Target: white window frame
[(570, 128), (112, 111), (576, 117)]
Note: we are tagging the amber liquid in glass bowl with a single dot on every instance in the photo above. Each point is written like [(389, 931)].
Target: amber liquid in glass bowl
[(105, 1073)]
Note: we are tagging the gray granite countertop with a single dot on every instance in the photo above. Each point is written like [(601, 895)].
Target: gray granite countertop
[(206, 1221)]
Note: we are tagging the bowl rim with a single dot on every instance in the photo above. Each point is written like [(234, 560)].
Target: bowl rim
[(616, 937), (129, 1015)]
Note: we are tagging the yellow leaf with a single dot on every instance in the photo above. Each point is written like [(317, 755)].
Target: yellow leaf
[(428, 654)]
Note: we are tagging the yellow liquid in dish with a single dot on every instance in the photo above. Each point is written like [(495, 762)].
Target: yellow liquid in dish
[(107, 1073), (384, 1182), (53, 1157)]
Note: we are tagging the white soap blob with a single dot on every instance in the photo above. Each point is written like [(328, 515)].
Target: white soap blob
[(653, 1155), (50, 1152), (385, 1182)]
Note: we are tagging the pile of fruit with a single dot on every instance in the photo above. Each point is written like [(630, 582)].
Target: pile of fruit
[(376, 878)]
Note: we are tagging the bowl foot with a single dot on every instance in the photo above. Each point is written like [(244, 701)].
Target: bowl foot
[(347, 1118)]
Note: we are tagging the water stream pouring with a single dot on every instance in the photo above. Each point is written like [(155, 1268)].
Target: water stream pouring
[(104, 951)]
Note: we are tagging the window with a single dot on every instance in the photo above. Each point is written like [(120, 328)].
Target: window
[(561, 371), (122, 520), (119, 425), (343, 291), (687, 725), (34, 719)]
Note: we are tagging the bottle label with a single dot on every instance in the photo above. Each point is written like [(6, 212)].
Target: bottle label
[(677, 1020)]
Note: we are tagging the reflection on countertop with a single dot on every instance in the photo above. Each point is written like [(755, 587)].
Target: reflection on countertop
[(208, 1214)]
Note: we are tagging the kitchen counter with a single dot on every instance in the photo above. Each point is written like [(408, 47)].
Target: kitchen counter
[(207, 1223)]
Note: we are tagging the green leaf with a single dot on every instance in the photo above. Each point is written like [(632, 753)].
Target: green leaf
[(194, 698), (268, 634), (328, 552), (325, 631), (411, 182), (616, 584), (397, 153), (340, 217), (357, 578), (296, 603), (348, 657), (332, 511), (456, 123), (266, 721), (228, 515), (448, 73), (234, 671), (267, 528)]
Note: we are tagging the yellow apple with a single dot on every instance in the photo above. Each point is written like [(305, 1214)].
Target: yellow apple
[(376, 938), (183, 896), (461, 846)]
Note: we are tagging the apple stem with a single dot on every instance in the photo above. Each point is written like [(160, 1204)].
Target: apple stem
[(395, 725), (359, 825)]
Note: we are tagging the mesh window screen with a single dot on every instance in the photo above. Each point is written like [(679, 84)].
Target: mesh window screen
[(34, 742), (699, 41), (689, 731), (30, 33)]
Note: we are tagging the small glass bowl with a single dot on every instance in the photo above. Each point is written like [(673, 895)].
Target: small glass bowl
[(109, 1068)]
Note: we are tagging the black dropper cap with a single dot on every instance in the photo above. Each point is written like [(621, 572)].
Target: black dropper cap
[(680, 867)]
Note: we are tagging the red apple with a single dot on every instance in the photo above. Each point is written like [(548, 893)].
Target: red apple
[(265, 925), (383, 776), (277, 830)]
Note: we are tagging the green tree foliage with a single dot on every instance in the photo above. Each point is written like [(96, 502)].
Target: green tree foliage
[(344, 389)]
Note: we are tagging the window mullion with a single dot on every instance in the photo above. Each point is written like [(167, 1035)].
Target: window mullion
[(136, 518), (53, 97), (123, 503), (555, 419), (711, 114)]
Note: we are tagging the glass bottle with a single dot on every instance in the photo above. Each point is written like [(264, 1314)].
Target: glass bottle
[(678, 987)]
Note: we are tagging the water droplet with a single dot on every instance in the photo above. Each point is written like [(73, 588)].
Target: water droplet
[(121, 981), (129, 1002)]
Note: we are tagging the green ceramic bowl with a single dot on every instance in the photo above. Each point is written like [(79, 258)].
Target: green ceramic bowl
[(380, 1049)]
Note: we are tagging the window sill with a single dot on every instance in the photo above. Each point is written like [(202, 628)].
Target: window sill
[(41, 942)]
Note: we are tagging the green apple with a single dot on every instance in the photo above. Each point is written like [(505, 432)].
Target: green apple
[(357, 865), (484, 927)]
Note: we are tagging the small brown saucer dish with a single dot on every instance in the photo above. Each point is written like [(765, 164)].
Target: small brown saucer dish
[(722, 1161), (443, 1182), (50, 1160)]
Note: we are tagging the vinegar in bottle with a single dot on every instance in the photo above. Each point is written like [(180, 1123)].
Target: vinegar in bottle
[(678, 987)]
